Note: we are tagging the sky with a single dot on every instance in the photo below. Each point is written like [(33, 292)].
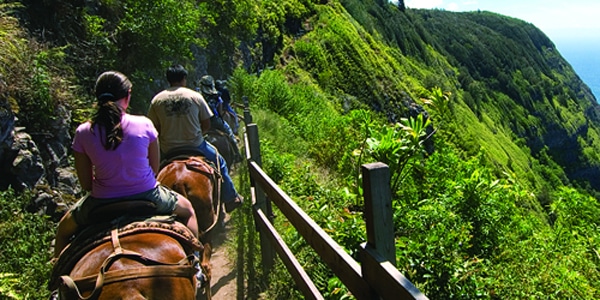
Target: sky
[(562, 21)]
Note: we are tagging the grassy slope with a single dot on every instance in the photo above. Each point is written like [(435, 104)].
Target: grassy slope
[(482, 200), (510, 75), (384, 74), (462, 229)]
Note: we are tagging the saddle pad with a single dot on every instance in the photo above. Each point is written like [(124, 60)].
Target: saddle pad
[(198, 164), (179, 154), (100, 234)]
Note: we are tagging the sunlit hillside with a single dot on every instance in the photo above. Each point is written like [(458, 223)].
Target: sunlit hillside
[(491, 138)]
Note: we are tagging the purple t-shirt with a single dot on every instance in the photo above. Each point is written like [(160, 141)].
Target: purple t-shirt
[(126, 170)]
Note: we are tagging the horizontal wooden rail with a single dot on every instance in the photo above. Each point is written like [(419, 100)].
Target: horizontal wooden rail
[(305, 284), (389, 283), (340, 262), (376, 278)]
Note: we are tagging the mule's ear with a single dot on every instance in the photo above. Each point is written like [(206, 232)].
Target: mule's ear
[(205, 262), (207, 253)]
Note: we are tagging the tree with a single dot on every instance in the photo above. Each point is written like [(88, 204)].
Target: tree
[(401, 5)]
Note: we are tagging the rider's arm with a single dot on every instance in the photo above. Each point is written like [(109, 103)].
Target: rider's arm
[(220, 107), (204, 114), (83, 166), (153, 117), (154, 155)]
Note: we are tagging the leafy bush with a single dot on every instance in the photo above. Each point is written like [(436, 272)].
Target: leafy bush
[(25, 239), (33, 77), (461, 226)]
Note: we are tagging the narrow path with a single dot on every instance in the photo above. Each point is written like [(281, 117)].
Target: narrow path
[(224, 273), (225, 283)]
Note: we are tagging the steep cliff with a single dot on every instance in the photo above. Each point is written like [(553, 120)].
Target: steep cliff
[(508, 72)]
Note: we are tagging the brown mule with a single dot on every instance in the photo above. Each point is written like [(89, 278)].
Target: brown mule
[(230, 119), (199, 182), (150, 259), (224, 145)]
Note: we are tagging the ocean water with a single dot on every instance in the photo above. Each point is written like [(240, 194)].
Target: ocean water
[(584, 57)]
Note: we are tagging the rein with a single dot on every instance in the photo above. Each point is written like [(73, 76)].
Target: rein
[(152, 268)]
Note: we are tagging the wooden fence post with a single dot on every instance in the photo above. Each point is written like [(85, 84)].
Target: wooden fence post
[(262, 202), (247, 115), (378, 254), (378, 209)]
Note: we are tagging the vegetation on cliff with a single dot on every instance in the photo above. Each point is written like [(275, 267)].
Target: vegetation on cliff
[(493, 194)]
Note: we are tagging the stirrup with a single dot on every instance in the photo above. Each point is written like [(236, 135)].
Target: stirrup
[(201, 279)]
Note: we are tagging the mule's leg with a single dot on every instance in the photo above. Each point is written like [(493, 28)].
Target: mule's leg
[(206, 268)]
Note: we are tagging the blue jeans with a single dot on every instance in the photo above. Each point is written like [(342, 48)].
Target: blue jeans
[(228, 192), (220, 124)]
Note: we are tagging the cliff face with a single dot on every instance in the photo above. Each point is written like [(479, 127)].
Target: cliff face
[(507, 70), (504, 72), (540, 83)]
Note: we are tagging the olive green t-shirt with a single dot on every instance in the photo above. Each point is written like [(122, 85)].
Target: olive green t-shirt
[(176, 113)]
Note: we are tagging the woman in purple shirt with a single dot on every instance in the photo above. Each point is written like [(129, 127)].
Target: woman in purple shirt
[(117, 159)]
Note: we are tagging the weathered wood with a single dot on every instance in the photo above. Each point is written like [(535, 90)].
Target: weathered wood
[(375, 278), (304, 283), (253, 139), (247, 115), (340, 262), (262, 202), (255, 155), (385, 278), (378, 209)]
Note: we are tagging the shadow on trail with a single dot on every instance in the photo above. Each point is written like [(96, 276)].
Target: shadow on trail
[(223, 272)]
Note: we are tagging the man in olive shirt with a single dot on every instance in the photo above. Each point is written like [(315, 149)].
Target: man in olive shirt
[(180, 116)]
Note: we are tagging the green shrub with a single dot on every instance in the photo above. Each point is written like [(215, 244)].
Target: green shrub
[(25, 239)]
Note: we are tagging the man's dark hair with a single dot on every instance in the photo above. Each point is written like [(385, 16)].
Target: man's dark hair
[(176, 73)]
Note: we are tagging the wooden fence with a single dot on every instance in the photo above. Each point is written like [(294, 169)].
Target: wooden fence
[(376, 277)]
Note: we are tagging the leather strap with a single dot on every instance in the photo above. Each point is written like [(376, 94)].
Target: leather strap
[(151, 268)]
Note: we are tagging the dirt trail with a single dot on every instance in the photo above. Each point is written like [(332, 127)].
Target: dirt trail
[(224, 273)]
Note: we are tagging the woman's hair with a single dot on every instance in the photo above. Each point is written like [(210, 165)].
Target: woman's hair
[(110, 87)]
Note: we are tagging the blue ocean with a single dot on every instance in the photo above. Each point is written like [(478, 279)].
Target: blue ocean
[(584, 57)]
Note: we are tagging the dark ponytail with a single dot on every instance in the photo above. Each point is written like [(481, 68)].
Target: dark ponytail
[(110, 87)]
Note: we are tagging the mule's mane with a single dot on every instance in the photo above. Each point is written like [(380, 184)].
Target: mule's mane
[(93, 237), (216, 131)]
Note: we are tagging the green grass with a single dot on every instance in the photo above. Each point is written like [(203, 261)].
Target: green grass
[(465, 219), (25, 239)]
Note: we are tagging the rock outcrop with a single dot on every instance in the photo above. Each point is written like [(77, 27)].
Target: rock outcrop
[(38, 162)]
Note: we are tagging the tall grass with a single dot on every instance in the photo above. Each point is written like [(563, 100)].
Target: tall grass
[(464, 228), (25, 239)]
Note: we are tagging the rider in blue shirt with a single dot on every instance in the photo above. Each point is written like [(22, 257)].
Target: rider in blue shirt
[(226, 97), (210, 93)]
